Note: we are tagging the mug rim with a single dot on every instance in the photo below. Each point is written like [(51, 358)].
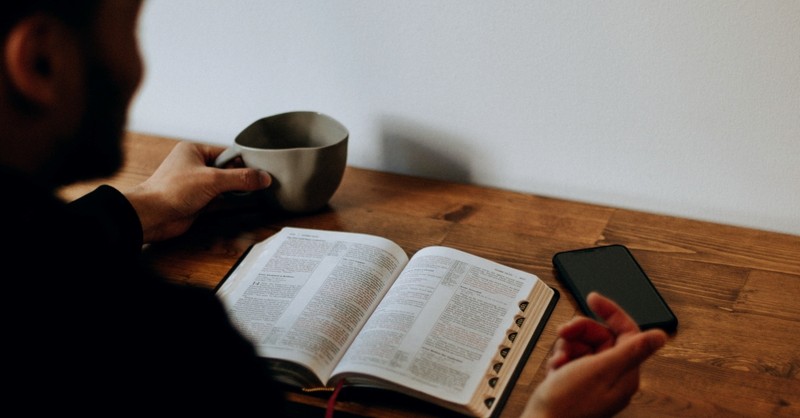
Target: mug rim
[(328, 118)]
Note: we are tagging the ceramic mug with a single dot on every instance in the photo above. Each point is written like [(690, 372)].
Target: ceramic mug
[(304, 152)]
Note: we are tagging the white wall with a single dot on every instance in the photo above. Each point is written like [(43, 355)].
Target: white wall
[(688, 108)]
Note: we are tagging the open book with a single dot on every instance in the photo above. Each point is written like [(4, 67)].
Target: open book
[(444, 326)]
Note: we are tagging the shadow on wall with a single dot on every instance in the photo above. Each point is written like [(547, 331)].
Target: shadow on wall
[(409, 148)]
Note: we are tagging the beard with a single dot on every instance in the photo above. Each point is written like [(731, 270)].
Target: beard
[(95, 149)]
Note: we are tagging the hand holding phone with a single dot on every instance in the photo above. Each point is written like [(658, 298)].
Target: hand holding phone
[(613, 272)]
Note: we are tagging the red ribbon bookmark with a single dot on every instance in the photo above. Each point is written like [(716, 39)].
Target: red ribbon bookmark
[(332, 399)]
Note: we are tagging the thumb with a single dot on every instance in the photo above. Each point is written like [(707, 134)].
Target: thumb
[(242, 180), (632, 351)]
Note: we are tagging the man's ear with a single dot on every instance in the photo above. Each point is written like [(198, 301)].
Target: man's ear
[(39, 58)]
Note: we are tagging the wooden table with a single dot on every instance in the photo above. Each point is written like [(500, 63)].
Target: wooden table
[(736, 291)]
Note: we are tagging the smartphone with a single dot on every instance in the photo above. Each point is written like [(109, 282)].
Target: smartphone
[(613, 272)]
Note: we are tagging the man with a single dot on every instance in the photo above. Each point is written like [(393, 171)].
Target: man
[(86, 325)]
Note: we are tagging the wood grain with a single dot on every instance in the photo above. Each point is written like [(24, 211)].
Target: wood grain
[(735, 290)]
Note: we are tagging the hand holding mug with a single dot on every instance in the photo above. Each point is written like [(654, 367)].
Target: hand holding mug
[(304, 152)]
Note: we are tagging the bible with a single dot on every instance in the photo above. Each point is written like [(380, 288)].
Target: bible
[(326, 308)]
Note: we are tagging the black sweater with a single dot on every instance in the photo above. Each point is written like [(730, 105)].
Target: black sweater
[(87, 327)]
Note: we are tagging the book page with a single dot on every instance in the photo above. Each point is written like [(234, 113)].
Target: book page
[(303, 294), (441, 324)]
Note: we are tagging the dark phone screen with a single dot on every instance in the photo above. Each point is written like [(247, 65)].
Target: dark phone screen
[(613, 272)]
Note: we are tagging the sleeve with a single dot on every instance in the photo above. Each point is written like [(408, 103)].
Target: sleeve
[(111, 218)]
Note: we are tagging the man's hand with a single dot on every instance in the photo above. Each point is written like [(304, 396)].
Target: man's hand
[(183, 185), (594, 370)]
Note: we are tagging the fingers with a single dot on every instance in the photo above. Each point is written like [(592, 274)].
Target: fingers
[(564, 352), (618, 321), (586, 329), (579, 337), (241, 179), (629, 354), (583, 336), (233, 179)]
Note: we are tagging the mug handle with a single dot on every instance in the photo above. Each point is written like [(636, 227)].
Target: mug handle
[(227, 156), (224, 158)]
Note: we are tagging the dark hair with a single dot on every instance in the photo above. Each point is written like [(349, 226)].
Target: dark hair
[(75, 13)]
